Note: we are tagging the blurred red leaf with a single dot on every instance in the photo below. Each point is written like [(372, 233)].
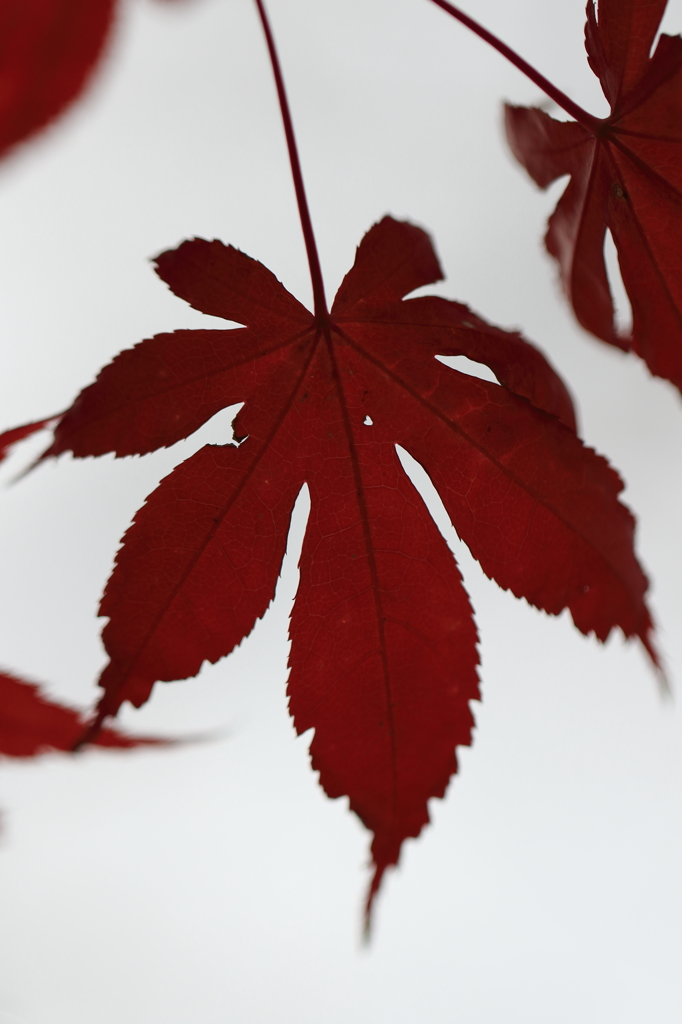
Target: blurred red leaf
[(383, 658), (49, 50), (626, 176), (17, 434), (31, 723)]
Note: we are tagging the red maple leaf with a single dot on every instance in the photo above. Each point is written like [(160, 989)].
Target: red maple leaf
[(31, 723), (383, 657), (48, 52), (626, 175)]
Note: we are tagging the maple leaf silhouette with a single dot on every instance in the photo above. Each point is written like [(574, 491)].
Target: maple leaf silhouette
[(626, 175), (31, 723), (383, 656), (48, 51)]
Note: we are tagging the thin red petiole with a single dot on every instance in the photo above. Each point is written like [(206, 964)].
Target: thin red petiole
[(321, 311), (565, 102)]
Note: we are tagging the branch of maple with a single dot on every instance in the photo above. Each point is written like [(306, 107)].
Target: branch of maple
[(321, 310), (565, 102)]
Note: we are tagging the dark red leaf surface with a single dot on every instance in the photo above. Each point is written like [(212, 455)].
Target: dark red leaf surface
[(32, 724), (626, 176), (383, 657), (48, 52)]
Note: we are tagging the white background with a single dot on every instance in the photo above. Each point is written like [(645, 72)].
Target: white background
[(217, 883)]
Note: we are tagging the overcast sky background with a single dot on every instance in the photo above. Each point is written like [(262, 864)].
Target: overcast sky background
[(217, 883)]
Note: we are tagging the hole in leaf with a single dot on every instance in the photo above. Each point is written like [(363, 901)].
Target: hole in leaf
[(621, 302), (466, 365), (368, 421)]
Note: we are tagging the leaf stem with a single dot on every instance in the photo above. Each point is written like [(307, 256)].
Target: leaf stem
[(321, 311), (565, 102)]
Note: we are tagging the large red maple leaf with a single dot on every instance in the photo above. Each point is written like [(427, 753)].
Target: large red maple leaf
[(383, 656), (626, 176), (49, 49)]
